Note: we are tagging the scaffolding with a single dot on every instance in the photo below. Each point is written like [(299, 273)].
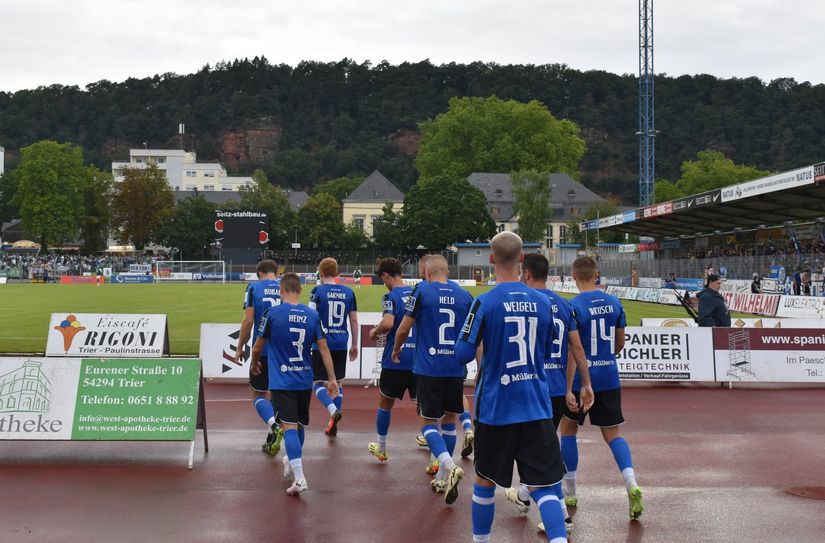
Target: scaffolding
[(739, 354)]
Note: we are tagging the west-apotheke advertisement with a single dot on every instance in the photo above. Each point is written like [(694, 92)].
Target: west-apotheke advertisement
[(107, 335), (95, 399)]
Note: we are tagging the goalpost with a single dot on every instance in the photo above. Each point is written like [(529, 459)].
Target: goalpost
[(190, 270)]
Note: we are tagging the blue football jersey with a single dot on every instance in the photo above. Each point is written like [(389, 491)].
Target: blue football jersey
[(439, 309), (261, 295), (393, 303), (290, 331), (515, 324), (563, 324), (334, 304), (597, 315)]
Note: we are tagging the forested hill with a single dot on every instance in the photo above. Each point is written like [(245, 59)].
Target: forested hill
[(319, 121)]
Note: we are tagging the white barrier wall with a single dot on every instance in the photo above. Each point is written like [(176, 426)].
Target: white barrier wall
[(219, 343)]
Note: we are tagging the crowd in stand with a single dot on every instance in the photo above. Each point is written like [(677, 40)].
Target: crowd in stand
[(804, 247), (54, 265)]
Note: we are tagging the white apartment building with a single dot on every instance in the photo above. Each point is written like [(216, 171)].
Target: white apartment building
[(183, 171)]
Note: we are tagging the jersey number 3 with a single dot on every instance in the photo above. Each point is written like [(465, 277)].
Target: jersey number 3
[(525, 326)]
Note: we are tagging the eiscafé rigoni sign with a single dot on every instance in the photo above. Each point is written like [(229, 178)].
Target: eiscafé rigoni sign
[(107, 335)]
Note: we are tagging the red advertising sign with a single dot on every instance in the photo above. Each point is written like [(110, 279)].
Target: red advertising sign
[(761, 304)]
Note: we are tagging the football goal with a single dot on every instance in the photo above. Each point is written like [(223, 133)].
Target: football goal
[(190, 270)]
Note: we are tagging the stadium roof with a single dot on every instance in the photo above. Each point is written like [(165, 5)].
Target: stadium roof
[(773, 200)]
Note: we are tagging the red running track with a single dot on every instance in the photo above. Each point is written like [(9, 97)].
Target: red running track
[(713, 463)]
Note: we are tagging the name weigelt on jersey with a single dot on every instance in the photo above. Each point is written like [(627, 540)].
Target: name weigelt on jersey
[(521, 307)]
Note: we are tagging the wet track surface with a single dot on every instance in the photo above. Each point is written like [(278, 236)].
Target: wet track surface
[(713, 464)]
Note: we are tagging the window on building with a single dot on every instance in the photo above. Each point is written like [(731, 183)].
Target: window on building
[(562, 234), (208, 174), (500, 228), (161, 160), (477, 252), (191, 173), (190, 187), (358, 222), (575, 211), (139, 160), (499, 193), (226, 187), (209, 187), (495, 211)]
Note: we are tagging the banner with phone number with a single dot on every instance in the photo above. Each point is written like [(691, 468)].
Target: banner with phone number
[(95, 399)]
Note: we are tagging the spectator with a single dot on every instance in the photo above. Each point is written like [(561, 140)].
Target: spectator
[(712, 308), (756, 285), (806, 283), (797, 282)]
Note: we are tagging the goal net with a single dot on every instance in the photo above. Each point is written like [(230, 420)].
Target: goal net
[(190, 270)]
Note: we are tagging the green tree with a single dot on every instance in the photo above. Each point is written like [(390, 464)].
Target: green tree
[(319, 223), (190, 227), (142, 202), (264, 196), (532, 191), (353, 237), (339, 188), (9, 184), (386, 233), (711, 170), (97, 194), (444, 210), (493, 135), (50, 193)]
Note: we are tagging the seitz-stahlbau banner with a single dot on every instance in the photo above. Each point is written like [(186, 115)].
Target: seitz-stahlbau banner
[(95, 399), (107, 335)]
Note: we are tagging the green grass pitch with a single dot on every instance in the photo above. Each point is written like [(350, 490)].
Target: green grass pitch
[(26, 308)]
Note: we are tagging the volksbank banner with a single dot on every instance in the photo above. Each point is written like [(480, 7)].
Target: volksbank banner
[(667, 354), (92, 399), (107, 335)]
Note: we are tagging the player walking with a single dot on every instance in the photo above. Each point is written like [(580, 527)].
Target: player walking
[(514, 417), (435, 308), (396, 377), (601, 322), (287, 332), (558, 366), (335, 305), (260, 296)]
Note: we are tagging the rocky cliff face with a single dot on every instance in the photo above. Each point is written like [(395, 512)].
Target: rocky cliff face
[(406, 140), (257, 143)]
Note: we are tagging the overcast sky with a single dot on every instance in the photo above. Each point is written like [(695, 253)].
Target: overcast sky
[(75, 42)]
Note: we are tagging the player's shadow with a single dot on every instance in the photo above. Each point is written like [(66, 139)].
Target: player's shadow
[(635, 532)]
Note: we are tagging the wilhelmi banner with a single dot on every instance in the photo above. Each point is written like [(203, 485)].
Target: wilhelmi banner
[(107, 335)]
